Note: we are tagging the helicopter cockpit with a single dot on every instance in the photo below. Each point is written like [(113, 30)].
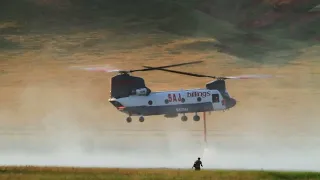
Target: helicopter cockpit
[(125, 85)]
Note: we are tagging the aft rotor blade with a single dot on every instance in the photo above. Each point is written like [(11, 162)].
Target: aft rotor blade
[(181, 72), (215, 77), (173, 65), (248, 77)]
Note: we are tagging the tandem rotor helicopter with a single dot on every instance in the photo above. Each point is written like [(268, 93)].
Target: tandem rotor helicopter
[(130, 95)]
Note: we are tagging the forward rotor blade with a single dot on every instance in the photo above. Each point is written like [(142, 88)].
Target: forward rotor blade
[(97, 69), (173, 65), (181, 72), (108, 69)]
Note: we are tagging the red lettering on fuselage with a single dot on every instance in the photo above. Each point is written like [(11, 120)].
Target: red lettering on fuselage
[(198, 94), (174, 97)]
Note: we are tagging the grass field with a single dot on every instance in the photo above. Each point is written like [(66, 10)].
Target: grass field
[(44, 173)]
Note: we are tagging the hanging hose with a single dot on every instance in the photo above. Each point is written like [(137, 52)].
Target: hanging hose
[(204, 134)]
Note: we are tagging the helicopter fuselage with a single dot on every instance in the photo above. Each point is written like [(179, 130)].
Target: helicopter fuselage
[(172, 103), (130, 95)]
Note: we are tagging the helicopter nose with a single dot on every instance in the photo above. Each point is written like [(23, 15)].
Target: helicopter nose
[(231, 103)]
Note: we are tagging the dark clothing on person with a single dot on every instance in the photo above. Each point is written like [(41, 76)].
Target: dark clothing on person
[(197, 165)]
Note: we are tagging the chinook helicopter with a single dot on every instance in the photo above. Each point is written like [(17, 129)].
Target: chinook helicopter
[(130, 95)]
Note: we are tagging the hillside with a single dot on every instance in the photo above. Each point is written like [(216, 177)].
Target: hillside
[(265, 26)]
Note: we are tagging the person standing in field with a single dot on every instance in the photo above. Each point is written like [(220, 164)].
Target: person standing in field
[(197, 164)]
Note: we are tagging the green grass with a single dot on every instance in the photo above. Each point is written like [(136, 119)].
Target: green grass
[(36, 173)]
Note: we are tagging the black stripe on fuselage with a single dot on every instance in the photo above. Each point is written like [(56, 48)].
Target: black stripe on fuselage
[(168, 109)]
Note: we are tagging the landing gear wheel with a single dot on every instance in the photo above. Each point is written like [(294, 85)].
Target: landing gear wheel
[(129, 119), (141, 118), (196, 117), (184, 118)]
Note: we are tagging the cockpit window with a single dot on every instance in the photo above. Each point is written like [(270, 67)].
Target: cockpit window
[(215, 98)]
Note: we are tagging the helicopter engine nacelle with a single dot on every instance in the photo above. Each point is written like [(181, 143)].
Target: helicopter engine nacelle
[(141, 92)]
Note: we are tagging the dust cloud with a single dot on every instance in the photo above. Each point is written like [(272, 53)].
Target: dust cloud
[(76, 126)]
